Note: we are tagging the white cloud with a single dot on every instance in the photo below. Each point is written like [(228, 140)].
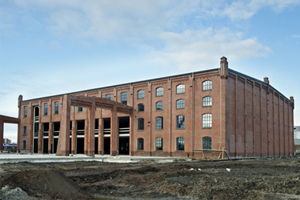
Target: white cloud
[(238, 10), (194, 50)]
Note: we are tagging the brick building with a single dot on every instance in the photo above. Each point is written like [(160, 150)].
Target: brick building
[(207, 114)]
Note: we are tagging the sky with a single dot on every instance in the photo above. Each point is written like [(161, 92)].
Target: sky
[(52, 47)]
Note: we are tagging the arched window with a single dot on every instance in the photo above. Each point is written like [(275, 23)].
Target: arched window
[(180, 121), (159, 123), (24, 144), (159, 91), (141, 107), (140, 144), (180, 144), (158, 144), (206, 143), (207, 85), (206, 101), (56, 107), (206, 120), (108, 96), (159, 105), (180, 103), (124, 98), (140, 94), (180, 89)]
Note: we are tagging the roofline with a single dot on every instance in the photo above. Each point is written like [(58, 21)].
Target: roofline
[(147, 80), (260, 82)]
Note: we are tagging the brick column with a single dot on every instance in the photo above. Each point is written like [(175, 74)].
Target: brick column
[(74, 137), (50, 132), (85, 146), (40, 131), (131, 120), (100, 137), (64, 135), (1, 134), (114, 133), (91, 130), (100, 130), (19, 147), (30, 127)]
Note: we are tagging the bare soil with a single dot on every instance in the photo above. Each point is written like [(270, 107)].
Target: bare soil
[(197, 179)]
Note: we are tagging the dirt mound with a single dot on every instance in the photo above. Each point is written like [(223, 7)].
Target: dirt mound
[(46, 184)]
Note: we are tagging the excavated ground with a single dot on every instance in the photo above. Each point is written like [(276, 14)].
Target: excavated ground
[(225, 179)]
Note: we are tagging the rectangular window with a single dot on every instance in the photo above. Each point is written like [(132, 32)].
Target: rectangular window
[(24, 130), (140, 144), (108, 96), (124, 98), (207, 121), (158, 144), (141, 124), (80, 109), (56, 108), (24, 144), (45, 109), (159, 123), (25, 111), (180, 121), (180, 144)]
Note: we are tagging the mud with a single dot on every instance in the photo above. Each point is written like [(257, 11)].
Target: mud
[(198, 179)]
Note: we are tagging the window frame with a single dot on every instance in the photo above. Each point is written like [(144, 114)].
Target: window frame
[(24, 144), (159, 91), (122, 94), (156, 105), (159, 144), (180, 144), (207, 120), (140, 144), (206, 85), (180, 89), (179, 104), (108, 96), (180, 124), (24, 130), (140, 94), (56, 108), (207, 142), (45, 109), (206, 101), (25, 111), (139, 107), (159, 125), (140, 124)]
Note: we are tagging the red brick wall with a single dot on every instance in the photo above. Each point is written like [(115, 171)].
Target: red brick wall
[(259, 119)]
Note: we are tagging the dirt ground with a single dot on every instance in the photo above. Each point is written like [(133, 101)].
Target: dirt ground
[(197, 179)]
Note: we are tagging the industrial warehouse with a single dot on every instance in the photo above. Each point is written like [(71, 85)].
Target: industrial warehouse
[(214, 113)]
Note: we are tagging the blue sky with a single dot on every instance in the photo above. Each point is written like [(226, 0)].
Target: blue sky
[(51, 47)]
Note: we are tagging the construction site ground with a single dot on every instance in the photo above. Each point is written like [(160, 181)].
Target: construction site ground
[(152, 179)]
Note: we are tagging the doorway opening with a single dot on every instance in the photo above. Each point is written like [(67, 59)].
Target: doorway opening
[(80, 137), (124, 135), (106, 135)]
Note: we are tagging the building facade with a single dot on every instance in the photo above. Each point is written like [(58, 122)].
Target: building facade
[(207, 114), (297, 139)]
